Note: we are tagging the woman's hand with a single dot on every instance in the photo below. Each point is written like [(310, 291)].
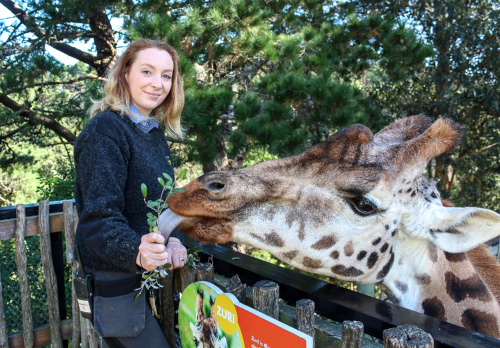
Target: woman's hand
[(177, 253), (152, 252)]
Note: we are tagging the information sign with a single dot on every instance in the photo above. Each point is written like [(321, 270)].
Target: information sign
[(210, 318)]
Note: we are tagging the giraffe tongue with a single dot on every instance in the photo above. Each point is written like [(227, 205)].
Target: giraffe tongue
[(169, 221)]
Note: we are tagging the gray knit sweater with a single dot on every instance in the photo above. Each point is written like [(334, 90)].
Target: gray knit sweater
[(113, 158)]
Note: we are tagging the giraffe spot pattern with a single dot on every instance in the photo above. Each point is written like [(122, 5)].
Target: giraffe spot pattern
[(381, 275), (401, 286), (433, 253), (349, 248), (423, 279), (361, 255), (311, 263), (272, 239), (376, 241), (334, 254), (325, 242), (347, 272), (476, 320), (394, 232), (387, 227), (459, 257), (291, 254), (460, 289), (372, 260), (435, 308), (384, 247)]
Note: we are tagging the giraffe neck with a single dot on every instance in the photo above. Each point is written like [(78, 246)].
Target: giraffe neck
[(447, 286)]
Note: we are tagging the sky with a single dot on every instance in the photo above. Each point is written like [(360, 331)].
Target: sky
[(6, 15)]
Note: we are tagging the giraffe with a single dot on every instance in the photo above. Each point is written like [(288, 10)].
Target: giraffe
[(206, 332), (357, 207)]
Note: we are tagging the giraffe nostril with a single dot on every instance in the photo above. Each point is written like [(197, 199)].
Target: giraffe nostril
[(215, 186)]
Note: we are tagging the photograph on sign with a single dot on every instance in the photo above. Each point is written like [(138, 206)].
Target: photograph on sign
[(210, 318)]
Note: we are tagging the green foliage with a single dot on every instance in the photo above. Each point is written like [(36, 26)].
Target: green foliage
[(461, 80), (278, 75), (59, 186)]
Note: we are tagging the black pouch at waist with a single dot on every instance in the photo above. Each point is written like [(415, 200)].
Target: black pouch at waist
[(117, 287)]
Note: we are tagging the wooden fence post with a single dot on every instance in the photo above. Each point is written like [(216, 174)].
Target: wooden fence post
[(352, 334), (167, 310), (205, 272), (88, 335), (187, 276), (266, 298), (407, 336), (21, 264), (69, 235), (50, 277), (4, 339), (305, 317), (235, 287)]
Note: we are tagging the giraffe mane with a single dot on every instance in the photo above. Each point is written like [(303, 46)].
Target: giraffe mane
[(484, 263), (487, 267)]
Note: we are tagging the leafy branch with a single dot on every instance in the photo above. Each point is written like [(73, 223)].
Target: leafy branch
[(150, 278)]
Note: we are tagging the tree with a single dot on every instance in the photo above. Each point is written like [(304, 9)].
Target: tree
[(39, 97), (461, 81), (274, 74)]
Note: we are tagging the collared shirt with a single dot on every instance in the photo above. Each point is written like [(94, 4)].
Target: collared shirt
[(144, 125)]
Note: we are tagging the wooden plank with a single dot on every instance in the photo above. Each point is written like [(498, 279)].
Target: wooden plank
[(41, 335), (8, 227), (167, 308), (4, 343), (21, 263), (50, 276), (69, 235)]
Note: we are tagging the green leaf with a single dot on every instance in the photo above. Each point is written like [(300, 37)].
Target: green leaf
[(168, 177), (137, 297), (182, 174), (193, 250), (168, 187), (180, 190), (144, 190), (164, 205), (161, 181), (151, 223), (151, 216), (167, 265), (153, 204), (190, 262)]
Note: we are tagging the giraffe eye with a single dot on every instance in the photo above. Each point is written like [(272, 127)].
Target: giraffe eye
[(363, 206), (215, 186)]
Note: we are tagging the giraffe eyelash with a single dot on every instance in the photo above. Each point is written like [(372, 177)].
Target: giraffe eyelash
[(362, 206)]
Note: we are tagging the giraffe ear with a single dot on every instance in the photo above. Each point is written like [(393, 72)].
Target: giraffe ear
[(457, 230)]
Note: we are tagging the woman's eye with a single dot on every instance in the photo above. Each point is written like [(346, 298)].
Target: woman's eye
[(168, 77), (363, 206), (146, 72)]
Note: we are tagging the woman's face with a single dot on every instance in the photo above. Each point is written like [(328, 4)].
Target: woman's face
[(150, 79)]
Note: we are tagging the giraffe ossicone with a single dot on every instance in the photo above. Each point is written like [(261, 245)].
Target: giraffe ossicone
[(357, 207)]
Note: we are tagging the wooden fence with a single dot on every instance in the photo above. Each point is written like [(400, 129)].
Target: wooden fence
[(80, 330)]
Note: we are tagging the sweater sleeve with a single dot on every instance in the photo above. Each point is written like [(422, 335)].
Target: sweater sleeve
[(101, 166)]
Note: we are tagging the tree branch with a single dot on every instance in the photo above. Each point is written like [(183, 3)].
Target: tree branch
[(34, 118), (57, 83), (8, 135), (25, 19), (63, 143)]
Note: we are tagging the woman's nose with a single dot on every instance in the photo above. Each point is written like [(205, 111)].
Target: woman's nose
[(156, 82)]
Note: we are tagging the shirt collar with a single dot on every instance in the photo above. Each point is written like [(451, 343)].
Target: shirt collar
[(144, 125)]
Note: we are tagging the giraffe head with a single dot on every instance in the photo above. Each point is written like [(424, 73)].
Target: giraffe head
[(341, 208), (205, 332)]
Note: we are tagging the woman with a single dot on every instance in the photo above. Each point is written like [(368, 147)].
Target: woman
[(121, 148)]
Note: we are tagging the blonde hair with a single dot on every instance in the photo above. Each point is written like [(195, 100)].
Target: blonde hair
[(117, 95)]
